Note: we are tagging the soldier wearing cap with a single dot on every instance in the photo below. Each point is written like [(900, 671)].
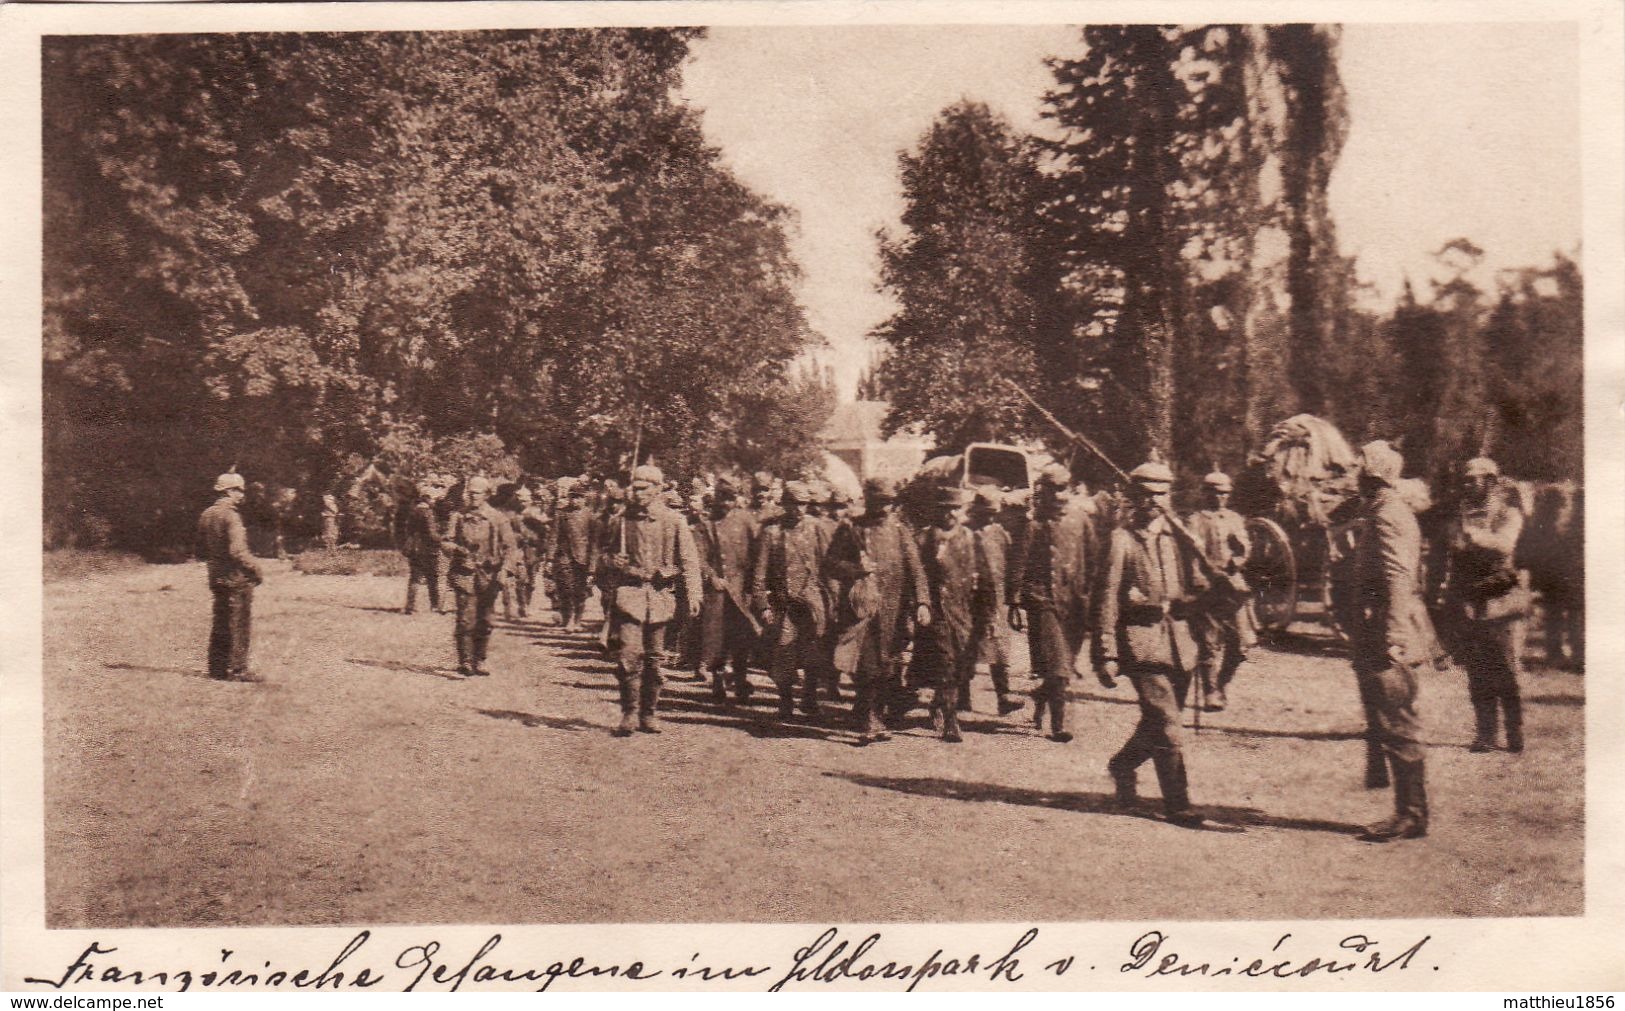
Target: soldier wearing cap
[(874, 565), (990, 635), (481, 542), (608, 533), (1220, 619), (575, 552), (945, 652), (1050, 581), (511, 500), (790, 597), (654, 559), (233, 574), (1391, 640), (422, 547), (1484, 602), (727, 629), (764, 504), (536, 529), (1142, 634)]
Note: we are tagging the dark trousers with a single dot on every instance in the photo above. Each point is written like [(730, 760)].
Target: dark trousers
[(228, 638), (1159, 736), (1051, 658), (642, 648), (476, 610), (572, 589), (1393, 729), (1485, 651), (798, 644), (423, 570)]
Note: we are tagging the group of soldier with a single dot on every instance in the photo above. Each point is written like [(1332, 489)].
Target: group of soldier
[(804, 582)]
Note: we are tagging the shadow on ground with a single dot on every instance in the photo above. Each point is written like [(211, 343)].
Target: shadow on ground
[(1226, 818)]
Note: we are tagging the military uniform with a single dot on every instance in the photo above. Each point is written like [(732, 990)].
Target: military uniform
[(481, 543), (422, 548), (1051, 583), (727, 629), (1146, 585), (1484, 604), (875, 565), (233, 574), (945, 651), (1220, 619), (575, 558), (789, 585), (1391, 640), (990, 635), (656, 562)]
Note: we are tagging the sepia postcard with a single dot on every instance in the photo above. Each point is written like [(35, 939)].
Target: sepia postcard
[(754, 496)]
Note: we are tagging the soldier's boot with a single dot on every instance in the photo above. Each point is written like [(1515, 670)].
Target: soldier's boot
[(1040, 705), (1176, 798), (809, 694), (741, 680), (1376, 765), (1410, 820), (629, 704), (465, 654), (787, 699), (949, 707), (648, 715), (1125, 783), (962, 697), (1212, 692), (1514, 721), (1484, 726), (434, 596), (1057, 715), (411, 598), (481, 642), (1001, 689)]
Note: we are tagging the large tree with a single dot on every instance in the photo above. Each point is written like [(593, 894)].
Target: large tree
[(277, 250), (975, 281)]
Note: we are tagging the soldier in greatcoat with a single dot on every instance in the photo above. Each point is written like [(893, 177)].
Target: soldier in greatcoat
[(233, 574), (1484, 602), (727, 628), (945, 650), (1144, 597), (1220, 618), (575, 553), (481, 543), (991, 635), (790, 596), (1392, 640), (653, 564), (422, 547), (879, 582), (1050, 593)]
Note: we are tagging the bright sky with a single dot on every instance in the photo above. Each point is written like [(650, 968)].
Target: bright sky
[(1457, 130)]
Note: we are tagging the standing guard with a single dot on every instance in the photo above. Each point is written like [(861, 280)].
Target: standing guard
[(1142, 634), (1221, 620), (875, 566), (655, 557), (482, 547), (1484, 602), (1392, 641), (233, 574)]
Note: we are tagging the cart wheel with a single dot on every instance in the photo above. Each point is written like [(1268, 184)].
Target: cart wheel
[(1272, 572)]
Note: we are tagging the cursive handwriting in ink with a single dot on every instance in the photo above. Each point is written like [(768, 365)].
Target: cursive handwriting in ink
[(1147, 955), (838, 963), (85, 970), (425, 958)]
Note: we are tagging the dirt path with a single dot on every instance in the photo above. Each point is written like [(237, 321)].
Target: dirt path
[(368, 784)]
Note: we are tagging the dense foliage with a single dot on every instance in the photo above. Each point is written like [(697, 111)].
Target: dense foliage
[(310, 255), (1163, 272)]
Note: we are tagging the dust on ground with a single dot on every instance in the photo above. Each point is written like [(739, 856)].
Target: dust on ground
[(368, 783)]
